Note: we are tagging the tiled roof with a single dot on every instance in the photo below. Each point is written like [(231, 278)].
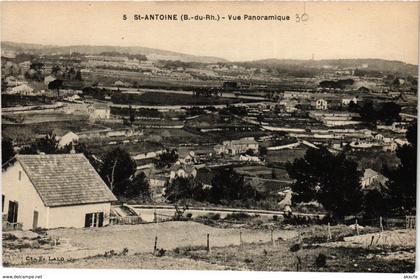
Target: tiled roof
[(65, 179)]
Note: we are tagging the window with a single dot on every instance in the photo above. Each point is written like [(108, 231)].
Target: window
[(20, 175), (12, 214), (94, 219)]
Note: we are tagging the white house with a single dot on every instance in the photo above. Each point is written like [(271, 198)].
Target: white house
[(347, 101), (22, 89), (321, 104), (53, 191), (68, 138), (48, 79), (235, 147), (99, 112), (182, 171), (370, 176)]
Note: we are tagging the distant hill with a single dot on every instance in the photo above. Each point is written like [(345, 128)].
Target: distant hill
[(366, 64), (151, 53)]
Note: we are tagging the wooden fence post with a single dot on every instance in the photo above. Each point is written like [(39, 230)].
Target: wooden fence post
[(208, 243), (240, 240), (380, 224), (272, 238), (357, 227), (329, 231), (155, 247)]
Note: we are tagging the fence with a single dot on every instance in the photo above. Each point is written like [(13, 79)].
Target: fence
[(127, 220), (6, 226), (407, 222)]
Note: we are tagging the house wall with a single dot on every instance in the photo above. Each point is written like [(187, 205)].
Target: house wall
[(74, 216), (25, 194)]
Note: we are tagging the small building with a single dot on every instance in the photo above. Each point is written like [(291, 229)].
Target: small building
[(321, 104), (48, 79), (67, 138), (22, 89), (99, 112), (179, 170), (54, 191), (370, 176), (347, 101), (235, 147)]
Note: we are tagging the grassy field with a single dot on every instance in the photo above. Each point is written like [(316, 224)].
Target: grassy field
[(183, 245), (150, 98)]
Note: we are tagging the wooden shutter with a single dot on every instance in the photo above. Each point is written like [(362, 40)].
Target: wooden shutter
[(101, 219), (88, 220)]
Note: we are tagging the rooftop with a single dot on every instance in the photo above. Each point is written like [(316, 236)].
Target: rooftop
[(65, 179)]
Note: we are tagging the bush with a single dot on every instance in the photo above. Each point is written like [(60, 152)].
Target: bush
[(295, 247), (238, 216), (214, 216), (189, 215), (321, 260)]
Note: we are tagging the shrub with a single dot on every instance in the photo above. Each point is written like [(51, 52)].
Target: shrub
[(295, 247), (189, 215), (238, 216), (321, 260), (161, 252)]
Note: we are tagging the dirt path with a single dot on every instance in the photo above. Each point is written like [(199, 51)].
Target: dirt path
[(81, 243)]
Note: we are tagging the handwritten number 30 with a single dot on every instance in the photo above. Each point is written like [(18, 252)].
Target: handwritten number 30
[(303, 17)]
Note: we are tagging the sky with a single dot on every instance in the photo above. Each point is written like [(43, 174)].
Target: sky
[(387, 30)]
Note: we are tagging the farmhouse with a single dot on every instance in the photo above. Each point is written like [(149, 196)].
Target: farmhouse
[(321, 104), (67, 138), (52, 191), (235, 147), (370, 176), (22, 89)]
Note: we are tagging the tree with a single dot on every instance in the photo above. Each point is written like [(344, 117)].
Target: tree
[(332, 180), (167, 158), (56, 85), (7, 151), (132, 115), (375, 203), (47, 145), (117, 169), (184, 188), (229, 185), (262, 150), (139, 188), (402, 180)]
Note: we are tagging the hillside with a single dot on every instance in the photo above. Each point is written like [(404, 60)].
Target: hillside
[(151, 53), (367, 64)]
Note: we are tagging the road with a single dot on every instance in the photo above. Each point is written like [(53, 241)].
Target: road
[(147, 211)]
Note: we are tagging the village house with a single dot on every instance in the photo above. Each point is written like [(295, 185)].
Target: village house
[(321, 104), (99, 112), (347, 101), (22, 89), (53, 191), (235, 147), (180, 170), (48, 79), (67, 138), (370, 176)]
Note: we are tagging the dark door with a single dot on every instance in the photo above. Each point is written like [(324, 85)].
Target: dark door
[(35, 220), (13, 212), (88, 220), (101, 219)]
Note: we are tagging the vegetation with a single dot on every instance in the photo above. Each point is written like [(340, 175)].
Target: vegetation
[(167, 158), (330, 179), (7, 151), (402, 180)]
